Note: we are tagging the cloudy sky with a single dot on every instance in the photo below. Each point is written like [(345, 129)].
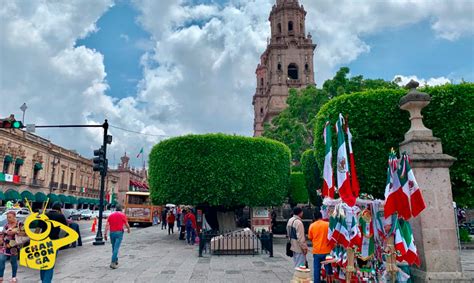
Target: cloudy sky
[(171, 67)]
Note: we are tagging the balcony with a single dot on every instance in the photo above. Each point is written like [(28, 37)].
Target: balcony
[(63, 186), (37, 183), (54, 185), (72, 188)]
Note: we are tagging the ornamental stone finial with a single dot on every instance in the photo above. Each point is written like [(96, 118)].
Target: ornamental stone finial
[(414, 101)]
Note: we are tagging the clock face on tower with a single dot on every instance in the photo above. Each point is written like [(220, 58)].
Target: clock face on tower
[(286, 63)]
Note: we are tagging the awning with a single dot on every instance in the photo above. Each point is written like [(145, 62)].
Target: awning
[(40, 197), (72, 199), (38, 166), (8, 158), (12, 195), (53, 198), (19, 161), (81, 200), (28, 195), (63, 198), (2, 196)]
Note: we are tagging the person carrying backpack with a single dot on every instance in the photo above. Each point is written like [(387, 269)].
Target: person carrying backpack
[(191, 226)]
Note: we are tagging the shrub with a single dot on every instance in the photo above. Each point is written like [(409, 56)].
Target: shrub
[(219, 170), (312, 176), (464, 235), (298, 192), (377, 124)]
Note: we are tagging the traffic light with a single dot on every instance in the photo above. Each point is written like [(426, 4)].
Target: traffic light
[(100, 162), (9, 124)]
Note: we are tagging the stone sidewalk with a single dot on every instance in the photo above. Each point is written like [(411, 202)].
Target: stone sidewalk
[(150, 255)]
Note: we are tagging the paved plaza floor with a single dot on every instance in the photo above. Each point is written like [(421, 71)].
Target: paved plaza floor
[(150, 255)]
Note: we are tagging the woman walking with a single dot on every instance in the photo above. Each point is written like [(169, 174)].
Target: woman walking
[(9, 247), (171, 219)]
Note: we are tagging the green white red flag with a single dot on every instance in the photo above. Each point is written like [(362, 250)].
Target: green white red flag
[(367, 249), (407, 247), (417, 203), (396, 200), (354, 180), (343, 181), (340, 234), (400, 243), (328, 184), (355, 235)]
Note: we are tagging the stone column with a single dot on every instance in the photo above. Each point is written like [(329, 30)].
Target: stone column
[(434, 229)]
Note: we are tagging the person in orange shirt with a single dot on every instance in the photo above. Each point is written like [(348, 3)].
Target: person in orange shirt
[(318, 234)]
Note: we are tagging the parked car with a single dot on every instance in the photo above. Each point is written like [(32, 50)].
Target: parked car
[(86, 214), (21, 215), (72, 214), (106, 213), (95, 213)]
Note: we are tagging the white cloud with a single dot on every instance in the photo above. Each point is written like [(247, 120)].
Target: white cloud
[(404, 80), (198, 69)]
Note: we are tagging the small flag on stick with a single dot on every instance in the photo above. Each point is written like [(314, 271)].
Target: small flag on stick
[(140, 153)]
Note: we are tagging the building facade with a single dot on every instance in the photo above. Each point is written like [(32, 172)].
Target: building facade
[(35, 168), (129, 179), (286, 63)]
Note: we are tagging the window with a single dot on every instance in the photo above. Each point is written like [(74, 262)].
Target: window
[(6, 165), (261, 110), (292, 71), (35, 174), (290, 26), (279, 28), (62, 176), (279, 67), (261, 81), (306, 67), (17, 169), (71, 180)]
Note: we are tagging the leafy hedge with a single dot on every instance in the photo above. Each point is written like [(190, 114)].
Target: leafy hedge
[(219, 170), (312, 175), (298, 192), (377, 124)]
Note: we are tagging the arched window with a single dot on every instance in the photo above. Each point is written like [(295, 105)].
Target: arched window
[(261, 110), (290, 26), (301, 28), (261, 81), (279, 66), (293, 71), (279, 28), (306, 67)]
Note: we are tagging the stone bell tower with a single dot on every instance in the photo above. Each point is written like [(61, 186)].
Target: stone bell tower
[(286, 63)]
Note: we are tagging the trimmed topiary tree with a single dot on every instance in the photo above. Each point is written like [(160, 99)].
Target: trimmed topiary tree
[(377, 124), (298, 192), (312, 176), (217, 170)]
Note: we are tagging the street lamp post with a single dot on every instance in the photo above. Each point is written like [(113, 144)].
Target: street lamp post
[(23, 108)]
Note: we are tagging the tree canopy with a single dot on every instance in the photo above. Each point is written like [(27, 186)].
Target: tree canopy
[(219, 170)]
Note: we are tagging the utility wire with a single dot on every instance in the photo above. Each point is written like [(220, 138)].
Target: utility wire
[(135, 132)]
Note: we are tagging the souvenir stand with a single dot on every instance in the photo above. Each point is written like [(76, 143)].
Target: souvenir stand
[(372, 239)]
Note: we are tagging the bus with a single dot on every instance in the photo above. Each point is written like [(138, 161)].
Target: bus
[(139, 209)]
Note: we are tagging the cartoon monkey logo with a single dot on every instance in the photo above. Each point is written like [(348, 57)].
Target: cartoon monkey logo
[(41, 253)]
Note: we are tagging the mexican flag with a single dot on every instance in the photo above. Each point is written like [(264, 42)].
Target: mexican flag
[(411, 255), (368, 244), (83, 190), (140, 153), (355, 235), (400, 242), (404, 210), (343, 181), (354, 181), (416, 198), (395, 198), (8, 178), (340, 234), (328, 184), (332, 226)]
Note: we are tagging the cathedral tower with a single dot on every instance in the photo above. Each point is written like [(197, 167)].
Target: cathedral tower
[(286, 63)]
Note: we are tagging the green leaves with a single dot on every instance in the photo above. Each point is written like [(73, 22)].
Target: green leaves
[(298, 192), (219, 170), (312, 175)]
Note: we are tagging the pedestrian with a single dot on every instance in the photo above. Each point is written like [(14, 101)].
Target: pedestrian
[(191, 226), (155, 217), (74, 226), (295, 232), (178, 218), (9, 251), (171, 219), (54, 214), (163, 218), (115, 224), (182, 230), (318, 234)]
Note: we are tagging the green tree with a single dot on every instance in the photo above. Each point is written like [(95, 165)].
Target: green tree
[(378, 124), (312, 175), (294, 125), (219, 171), (297, 192)]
